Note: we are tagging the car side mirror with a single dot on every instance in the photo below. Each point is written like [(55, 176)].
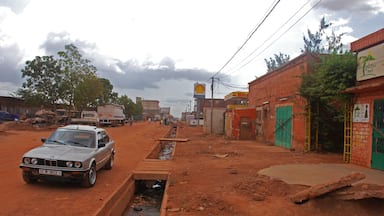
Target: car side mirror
[(43, 140), (101, 145)]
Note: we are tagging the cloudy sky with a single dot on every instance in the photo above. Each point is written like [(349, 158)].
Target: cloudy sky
[(157, 49)]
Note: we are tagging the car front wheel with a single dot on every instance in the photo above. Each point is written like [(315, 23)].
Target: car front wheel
[(90, 178)]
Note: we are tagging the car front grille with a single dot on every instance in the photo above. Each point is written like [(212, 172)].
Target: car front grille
[(53, 163)]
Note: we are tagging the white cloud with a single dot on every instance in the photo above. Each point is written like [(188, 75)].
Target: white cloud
[(192, 40)]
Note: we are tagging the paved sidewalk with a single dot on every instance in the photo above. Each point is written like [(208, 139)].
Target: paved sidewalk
[(312, 174)]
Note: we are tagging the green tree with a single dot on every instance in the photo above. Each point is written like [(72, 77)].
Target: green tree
[(43, 77), (31, 98), (87, 92), (320, 42), (75, 68), (324, 89), (131, 109), (277, 61), (107, 96)]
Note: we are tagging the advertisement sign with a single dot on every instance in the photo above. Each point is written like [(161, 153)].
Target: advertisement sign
[(370, 63), (199, 90)]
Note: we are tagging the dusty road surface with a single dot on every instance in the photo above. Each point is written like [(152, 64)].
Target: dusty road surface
[(209, 176), (214, 176), (133, 143)]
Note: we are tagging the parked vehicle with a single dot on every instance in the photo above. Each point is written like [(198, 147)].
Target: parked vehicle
[(6, 116), (73, 152), (85, 118), (111, 115)]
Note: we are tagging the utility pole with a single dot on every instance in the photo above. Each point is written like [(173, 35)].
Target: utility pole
[(212, 80)]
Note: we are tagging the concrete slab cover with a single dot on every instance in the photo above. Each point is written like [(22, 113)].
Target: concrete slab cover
[(313, 174)]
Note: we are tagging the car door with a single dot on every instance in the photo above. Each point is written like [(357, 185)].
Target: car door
[(102, 155)]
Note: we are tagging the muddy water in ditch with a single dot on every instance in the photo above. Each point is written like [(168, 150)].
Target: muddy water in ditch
[(149, 193), (147, 199)]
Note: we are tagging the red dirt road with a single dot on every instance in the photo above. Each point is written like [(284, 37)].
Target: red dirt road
[(214, 176), (209, 176), (133, 143)]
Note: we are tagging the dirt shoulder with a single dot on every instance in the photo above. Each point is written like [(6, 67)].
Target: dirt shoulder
[(214, 176), (133, 144)]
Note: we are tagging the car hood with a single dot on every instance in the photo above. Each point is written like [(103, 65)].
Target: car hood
[(60, 152)]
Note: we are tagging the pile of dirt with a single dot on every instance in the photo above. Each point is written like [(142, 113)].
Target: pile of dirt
[(215, 176), (23, 126)]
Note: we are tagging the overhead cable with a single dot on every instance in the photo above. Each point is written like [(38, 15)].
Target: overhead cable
[(270, 44), (249, 37)]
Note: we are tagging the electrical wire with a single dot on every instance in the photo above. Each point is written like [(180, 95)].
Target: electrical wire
[(249, 37), (269, 38), (269, 45), (233, 86)]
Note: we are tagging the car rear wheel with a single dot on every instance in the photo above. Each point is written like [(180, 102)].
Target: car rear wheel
[(28, 178), (90, 178), (110, 162)]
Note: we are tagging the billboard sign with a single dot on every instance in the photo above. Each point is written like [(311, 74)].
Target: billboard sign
[(199, 90), (370, 63)]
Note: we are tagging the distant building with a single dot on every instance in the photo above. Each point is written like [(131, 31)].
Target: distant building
[(207, 108), (239, 118), (165, 112), (16, 106), (151, 109), (237, 99)]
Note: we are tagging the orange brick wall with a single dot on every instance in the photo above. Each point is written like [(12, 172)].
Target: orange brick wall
[(361, 151), (368, 41), (280, 88)]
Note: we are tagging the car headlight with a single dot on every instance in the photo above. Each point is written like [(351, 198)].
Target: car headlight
[(34, 161), (27, 160), (69, 164), (78, 164)]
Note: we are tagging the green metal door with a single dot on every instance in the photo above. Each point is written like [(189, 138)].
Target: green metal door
[(283, 127), (378, 135)]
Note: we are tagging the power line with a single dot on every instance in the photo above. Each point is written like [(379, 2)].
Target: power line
[(249, 37), (270, 36), (233, 86), (269, 45)]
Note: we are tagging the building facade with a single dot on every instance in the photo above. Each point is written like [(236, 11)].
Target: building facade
[(151, 109), (367, 142), (280, 110)]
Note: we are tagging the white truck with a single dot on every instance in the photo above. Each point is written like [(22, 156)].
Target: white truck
[(111, 115), (85, 118)]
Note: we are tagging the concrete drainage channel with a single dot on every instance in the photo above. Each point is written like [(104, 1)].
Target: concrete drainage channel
[(145, 191)]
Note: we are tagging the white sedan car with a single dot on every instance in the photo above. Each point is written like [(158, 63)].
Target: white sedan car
[(73, 152)]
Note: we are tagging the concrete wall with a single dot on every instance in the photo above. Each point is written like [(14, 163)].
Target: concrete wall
[(217, 120)]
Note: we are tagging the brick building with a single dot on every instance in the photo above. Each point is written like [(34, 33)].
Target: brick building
[(151, 109), (280, 110), (239, 118), (367, 140)]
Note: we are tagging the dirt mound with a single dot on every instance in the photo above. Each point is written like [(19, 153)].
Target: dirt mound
[(22, 125)]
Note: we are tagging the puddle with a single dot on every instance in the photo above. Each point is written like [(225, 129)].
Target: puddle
[(147, 198)]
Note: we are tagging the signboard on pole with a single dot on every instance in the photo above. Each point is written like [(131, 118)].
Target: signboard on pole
[(199, 90)]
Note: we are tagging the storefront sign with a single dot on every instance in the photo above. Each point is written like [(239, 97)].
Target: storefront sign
[(370, 63)]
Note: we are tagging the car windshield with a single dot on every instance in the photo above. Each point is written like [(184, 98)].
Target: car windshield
[(72, 137)]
